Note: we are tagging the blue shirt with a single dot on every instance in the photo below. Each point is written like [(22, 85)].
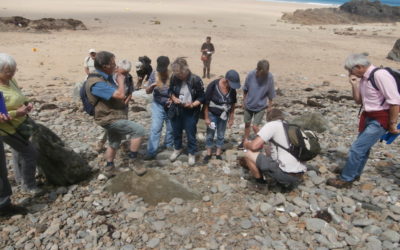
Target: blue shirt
[(102, 89), (259, 91)]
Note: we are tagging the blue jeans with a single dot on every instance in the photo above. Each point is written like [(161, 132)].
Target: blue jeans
[(158, 116), (220, 127), (187, 120), (359, 151)]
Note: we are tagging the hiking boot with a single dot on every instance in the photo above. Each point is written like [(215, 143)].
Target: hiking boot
[(11, 209), (240, 146), (192, 160), (218, 157), (175, 155), (206, 159), (338, 183), (110, 171), (139, 169), (338, 170), (149, 157), (34, 191)]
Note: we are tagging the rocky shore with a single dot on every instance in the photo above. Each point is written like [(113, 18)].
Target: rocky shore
[(223, 208)]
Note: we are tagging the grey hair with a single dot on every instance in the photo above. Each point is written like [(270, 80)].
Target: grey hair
[(263, 65), (180, 65), (102, 59), (125, 65), (356, 60), (6, 61)]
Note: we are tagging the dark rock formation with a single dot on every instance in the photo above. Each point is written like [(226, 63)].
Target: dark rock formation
[(59, 163), (394, 54), (374, 10), (17, 23)]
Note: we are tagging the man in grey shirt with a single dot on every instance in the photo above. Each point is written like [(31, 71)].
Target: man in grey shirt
[(259, 91)]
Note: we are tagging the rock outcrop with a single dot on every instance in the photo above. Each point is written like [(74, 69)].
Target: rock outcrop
[(394, 54)]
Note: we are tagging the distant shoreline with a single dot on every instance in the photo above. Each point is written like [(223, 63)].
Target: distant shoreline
[(329, 3)]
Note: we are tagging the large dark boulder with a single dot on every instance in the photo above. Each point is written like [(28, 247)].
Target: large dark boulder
[(59, 163), (374, 10), (394, 54)]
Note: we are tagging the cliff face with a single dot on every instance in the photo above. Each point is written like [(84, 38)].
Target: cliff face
[(374, 10)]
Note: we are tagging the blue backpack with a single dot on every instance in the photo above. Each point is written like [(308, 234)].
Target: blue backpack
[(87, 106)]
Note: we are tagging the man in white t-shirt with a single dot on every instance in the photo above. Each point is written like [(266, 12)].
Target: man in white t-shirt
[(280, 165), (88, 64)]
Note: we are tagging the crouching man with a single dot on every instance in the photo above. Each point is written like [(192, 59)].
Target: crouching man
[(280, 165), (109, 99)]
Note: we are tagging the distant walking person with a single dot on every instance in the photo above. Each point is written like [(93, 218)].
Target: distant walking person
[(88, 64), (207, 49), (381, 110), (259, 91), (219, 109)]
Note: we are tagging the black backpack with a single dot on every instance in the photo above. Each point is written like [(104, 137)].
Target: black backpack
[(87, 106), (394, 73), (303, 144)]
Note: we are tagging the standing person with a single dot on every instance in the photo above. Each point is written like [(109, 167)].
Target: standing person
[(259, 92), (280, 165), (88, 64), (219, 109), (17, 131), (111, 111), (6, 207), (381, 110), (207, 49), (187, 94), (143, 70), (123, 67), (159, 85)]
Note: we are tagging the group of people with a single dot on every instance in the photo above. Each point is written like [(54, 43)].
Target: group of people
[(179, 99)]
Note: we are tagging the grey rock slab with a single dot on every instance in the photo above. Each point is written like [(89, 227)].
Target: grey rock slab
[(395, 209), (390, 235), (300, 202), (352, 240), (363, 222), (153, 243), (266, 208), (315, 224), (372, 229), (246, 224)]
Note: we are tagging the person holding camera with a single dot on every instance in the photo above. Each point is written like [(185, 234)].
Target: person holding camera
[(219, 109), (187, 94)]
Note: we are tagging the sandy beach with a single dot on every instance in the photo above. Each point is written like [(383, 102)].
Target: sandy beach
[(242, 31)]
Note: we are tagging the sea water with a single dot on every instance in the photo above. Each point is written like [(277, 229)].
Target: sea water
[(335, 2)]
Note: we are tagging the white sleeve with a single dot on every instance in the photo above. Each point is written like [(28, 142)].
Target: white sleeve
[(85, 63), (268, 130)]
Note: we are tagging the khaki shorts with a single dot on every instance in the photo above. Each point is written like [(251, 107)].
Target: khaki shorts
[(258, 116)]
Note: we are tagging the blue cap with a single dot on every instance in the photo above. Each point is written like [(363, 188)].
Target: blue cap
[(233, 79)]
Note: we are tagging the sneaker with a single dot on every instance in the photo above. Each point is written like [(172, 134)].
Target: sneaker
[(35, 191), (175, 154), (11, 209), (240, 146), (192, 160), (139, 169), (218, 157), (206, 159), (338, 183), (149, 157)]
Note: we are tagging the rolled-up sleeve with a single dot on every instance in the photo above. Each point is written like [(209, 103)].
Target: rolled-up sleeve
[(388, 86)]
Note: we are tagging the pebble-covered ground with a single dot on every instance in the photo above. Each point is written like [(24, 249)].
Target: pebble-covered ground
[(232, 212)]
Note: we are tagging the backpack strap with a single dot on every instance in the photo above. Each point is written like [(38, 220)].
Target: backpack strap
[(285, 128), (371, 79)]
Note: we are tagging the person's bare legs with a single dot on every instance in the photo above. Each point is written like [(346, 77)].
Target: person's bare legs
[(135, 144), (256, 128), (110, 154), (251, 158), (219, 151), (246, 131)]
